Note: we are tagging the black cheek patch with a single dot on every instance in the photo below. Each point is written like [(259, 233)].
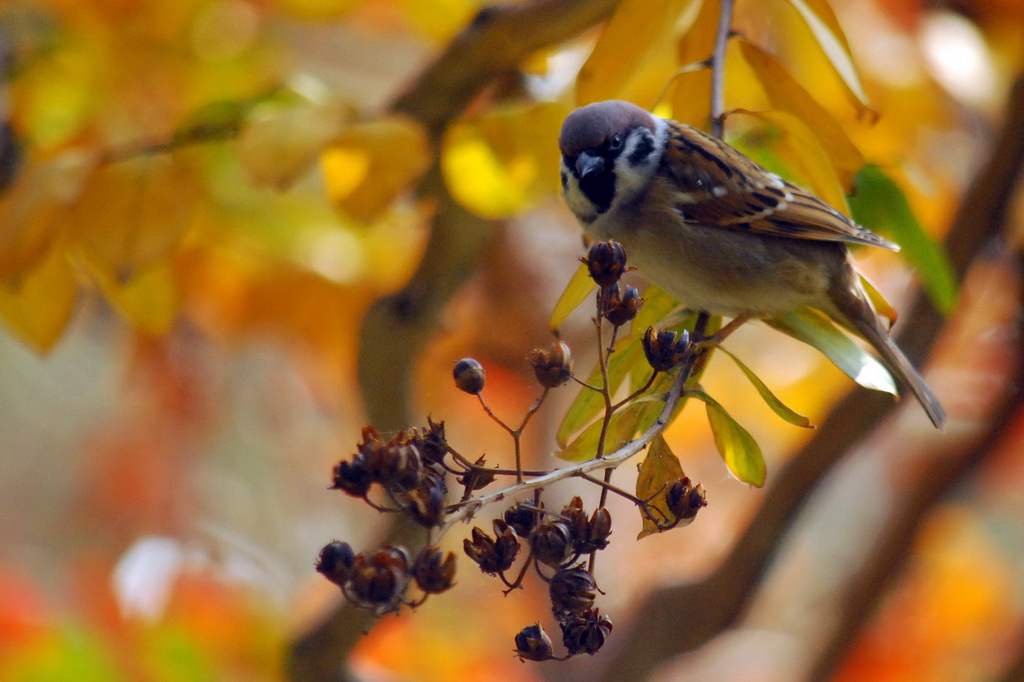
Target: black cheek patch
[(565, 180), (642, 151)]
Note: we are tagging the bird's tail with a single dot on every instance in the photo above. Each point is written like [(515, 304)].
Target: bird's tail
[(857, 314), (903, 371)]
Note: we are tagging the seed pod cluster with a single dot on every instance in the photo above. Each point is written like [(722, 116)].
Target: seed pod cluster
[(407, 467)]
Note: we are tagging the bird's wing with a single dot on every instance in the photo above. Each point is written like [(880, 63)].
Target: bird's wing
[(715, 185)]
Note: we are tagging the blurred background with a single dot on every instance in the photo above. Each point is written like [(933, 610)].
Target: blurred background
[(234, 232)]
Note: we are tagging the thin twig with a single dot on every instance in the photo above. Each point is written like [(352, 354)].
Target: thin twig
[(718, 69)]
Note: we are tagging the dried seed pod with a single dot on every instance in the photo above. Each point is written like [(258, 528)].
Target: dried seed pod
[(606, 262), (492, 555), (352, 477), (335, 562), (621, 308), (522, 518), (552, 367), (379, 580), (533, 644), (434, 571), (665, 350), (425, 504), (469, 376), (475, 479), (598, 529), (572, 590), (586, 632), (401, 466), (552, 543), (432, 442), (685, 500)]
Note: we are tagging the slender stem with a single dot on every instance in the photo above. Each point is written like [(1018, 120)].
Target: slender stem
[(611, 488), (637, 393), (718, 69)]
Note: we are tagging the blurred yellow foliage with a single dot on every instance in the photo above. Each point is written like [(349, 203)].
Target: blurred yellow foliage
[(369, 164)]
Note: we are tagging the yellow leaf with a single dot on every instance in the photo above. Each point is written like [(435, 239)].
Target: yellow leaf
[(636, 29), (39, 305), (785, 94), (370, 164), (31, 210), (822, 21), (576, 291), (149, 300), (739, 450), (282, 141), (132, 214), (799, 148), (882, 306), (500, 163), (659, 470)]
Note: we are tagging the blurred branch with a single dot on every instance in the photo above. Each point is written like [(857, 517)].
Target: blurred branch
[(718, 601), (397, 327)]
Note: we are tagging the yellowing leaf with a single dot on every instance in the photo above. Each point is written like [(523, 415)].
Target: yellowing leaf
[(800, 149), (689, 93), (498, 164), (621, 428), (737, 447), (31, 210), (281, 141), (769, 398), (659, 470), (579, 288), (39, 305), (148, 300), (370, 164), (132, 214), (822, 21), (636, 28), (785, 94), (815, 330)]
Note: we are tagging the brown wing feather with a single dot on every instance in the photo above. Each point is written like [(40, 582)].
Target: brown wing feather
[(716, 185)]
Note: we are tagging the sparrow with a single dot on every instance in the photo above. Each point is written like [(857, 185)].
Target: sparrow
[(717, 231)]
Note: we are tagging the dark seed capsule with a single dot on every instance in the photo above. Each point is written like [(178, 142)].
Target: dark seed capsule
[(433, 571), (572, 590), (533, 644), (586, 632), (335, 562), (665, 350), (685, 499), (606, 262), (469, 376), (552, 367)]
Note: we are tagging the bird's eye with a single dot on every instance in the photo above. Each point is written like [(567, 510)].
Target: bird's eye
[(615, 143)]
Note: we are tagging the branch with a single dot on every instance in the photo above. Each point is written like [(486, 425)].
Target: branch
[(609, 461), (718, 69)]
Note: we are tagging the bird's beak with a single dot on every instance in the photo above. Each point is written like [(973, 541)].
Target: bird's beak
[(587, 164)]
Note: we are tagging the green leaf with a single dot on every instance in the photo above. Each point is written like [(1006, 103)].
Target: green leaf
[(576, 292), (880, 205), (621, 428), (737, 447), (815, 330), (770, 398), (656, 474)]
